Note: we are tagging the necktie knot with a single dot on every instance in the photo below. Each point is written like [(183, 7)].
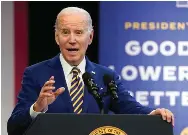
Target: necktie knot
[(75, 71)]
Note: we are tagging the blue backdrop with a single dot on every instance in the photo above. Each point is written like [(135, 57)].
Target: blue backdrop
[(147, 44)]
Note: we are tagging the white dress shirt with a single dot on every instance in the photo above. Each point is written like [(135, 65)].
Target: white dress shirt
[(67, 68)]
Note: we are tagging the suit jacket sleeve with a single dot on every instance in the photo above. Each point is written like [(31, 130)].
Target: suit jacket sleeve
[(20, 117), (127, 104)]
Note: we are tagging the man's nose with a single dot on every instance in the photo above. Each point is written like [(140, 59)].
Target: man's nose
[(72, 39)]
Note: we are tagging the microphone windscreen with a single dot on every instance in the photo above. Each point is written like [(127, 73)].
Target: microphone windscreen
[(86, 76), (107, 79)]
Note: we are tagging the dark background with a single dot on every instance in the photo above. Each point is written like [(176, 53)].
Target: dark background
[(41, 18)]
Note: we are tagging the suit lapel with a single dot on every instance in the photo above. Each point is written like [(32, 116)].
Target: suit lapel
[(60, 81)]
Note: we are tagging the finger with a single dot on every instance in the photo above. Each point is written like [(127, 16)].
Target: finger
[(168, 115), (59, 91), (48, 89), (161, 112), (51, 78), (50, 82), (171, 117), (42, 95)]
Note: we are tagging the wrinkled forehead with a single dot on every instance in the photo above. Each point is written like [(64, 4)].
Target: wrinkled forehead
[(73, 20)]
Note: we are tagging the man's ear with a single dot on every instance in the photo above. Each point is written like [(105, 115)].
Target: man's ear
[(56, 37), (91, 37)]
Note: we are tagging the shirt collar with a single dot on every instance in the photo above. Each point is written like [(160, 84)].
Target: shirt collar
[(67, 68)]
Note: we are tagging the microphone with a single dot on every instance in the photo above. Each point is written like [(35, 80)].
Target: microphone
[(111, 86), (92, 87)]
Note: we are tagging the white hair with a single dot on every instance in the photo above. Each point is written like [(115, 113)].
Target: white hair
[(70, 10)]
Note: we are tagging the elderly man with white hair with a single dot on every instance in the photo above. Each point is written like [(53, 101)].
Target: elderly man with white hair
[(56, 85)]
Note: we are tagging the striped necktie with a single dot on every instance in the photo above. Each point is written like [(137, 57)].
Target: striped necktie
[(76, 91)]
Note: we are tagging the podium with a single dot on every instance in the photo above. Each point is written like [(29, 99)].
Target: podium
[(97, 124)]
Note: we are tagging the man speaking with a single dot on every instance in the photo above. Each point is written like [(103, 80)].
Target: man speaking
[(56, 85)]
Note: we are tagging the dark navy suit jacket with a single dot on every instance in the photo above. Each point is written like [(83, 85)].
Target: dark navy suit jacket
[(36, 75)]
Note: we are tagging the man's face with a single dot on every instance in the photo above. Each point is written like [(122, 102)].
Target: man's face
[(73, 37)]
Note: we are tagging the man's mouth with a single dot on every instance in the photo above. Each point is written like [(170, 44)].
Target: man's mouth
[(72, 49)]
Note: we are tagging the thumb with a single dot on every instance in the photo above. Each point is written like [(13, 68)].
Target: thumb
[(152, 112), (59, 91)]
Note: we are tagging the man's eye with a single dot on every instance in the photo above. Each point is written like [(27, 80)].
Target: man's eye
[(65, 31), (79, 32)]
